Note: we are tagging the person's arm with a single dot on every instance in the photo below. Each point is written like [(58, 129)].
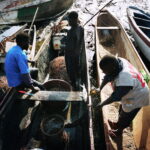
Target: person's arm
[(24, 71), (27, 80), (119, 92), (32, 62), (105, 81)]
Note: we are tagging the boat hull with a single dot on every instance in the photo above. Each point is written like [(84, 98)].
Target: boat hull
[(145, 49), (111, 38), (140, 28), (46, 10), (25, 131)]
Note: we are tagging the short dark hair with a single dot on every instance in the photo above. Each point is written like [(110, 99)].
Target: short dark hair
[(108, 60), (22, 37), (73, 15)]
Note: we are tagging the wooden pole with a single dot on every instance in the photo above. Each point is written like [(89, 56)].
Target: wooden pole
[(98, 12), (33, 20), (32, 54)]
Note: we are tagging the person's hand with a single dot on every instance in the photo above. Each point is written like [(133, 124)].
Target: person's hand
[(94, 92), (32, 62), (35, 89)]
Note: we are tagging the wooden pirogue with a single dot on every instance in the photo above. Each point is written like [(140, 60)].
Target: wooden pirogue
[(111, 38), (29, 119), (139, 22), (16, 11)]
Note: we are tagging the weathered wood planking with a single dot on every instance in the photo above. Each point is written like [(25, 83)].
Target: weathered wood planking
[(55, 96), (108, 28), (123, 47)]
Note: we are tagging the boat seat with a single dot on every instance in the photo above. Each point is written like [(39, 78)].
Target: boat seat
[(141, 19), (54, 96), (147, 28), (108, 28)]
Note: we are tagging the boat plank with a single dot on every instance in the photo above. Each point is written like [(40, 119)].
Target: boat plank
[(118, 43), (141, 19), (108, 28), (147, 28), (54, 96)]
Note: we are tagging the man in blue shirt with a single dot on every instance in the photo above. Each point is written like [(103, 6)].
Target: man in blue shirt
[(16, 64)]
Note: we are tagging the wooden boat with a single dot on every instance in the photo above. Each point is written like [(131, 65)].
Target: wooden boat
[(13, 12), (24, 123), (139, 22), (111, 38)]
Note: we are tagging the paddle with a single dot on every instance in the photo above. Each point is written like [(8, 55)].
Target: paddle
[(97, 12)]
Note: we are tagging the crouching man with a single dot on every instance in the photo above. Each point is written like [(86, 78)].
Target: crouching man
[(129, 88)]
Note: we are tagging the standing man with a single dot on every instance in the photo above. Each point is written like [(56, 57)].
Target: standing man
[(16, 65), (74, 48), (129, 88)]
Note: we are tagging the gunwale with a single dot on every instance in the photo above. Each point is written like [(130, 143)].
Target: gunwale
[(25, 12), (88, 142), (121, 47), (141, 37)]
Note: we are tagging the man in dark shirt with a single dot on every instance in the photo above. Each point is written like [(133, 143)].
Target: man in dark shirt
[(74, 47), (16, 65), (129, 88)]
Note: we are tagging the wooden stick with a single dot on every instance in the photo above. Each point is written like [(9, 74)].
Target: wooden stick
[(32, 54), (98, 12), (33, 20)]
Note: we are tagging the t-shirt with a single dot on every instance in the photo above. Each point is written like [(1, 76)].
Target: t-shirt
[(16, 64), (139, 95)]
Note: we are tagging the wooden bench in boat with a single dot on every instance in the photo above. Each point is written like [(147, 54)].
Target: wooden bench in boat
[(147, 28), (141, 19), (55, 96), (108, 28)]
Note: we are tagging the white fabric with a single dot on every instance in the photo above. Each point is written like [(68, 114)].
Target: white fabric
[(139, 95)]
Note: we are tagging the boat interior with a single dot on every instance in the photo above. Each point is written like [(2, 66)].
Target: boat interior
[(109, 33), (112, 39), (143, 22), (56, 118)]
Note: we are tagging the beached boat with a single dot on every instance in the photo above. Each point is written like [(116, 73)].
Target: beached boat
[(139, 22), (13, 12), (57, 118), (111, 38)]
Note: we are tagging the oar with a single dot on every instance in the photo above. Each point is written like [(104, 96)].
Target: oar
[(98, 12)]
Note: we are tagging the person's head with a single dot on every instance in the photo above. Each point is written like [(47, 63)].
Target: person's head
[(109, 64), (73, 18), (22, 39)]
